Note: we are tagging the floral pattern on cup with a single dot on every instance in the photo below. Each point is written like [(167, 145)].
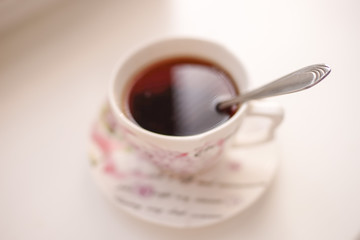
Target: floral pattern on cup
[(181, 163)]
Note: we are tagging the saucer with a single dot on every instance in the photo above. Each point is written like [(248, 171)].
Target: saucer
[(139, 188)]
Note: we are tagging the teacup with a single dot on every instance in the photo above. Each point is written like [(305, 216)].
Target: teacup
[(185, 155)]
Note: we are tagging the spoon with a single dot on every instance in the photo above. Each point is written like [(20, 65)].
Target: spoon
[(299, 80)]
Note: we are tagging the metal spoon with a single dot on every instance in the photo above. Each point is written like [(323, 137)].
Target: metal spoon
[(299, 80)]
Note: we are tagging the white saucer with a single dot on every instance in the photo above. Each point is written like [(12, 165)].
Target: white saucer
[(139, 188)]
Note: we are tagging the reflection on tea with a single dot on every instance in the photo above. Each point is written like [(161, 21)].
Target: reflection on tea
[(166, 97)]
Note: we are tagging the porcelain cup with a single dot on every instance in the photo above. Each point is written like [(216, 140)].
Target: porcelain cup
[(186, 155)]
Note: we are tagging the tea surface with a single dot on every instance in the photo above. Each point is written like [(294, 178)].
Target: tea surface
[(177, 96)]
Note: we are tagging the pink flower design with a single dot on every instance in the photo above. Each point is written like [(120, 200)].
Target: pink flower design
[(138, 174), (221, 142), (106, 146), (234, 166), (145, 191), (110, 169), (181, 155), (102, 142)]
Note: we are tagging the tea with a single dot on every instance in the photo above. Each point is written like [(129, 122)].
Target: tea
[(176, 96)]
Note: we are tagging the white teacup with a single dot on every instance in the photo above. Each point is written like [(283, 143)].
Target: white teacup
[(185, 155)]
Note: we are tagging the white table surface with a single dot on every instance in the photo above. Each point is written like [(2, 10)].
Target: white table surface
[(54, 73)]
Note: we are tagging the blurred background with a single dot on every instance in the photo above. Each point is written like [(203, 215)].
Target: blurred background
[(56, 57)]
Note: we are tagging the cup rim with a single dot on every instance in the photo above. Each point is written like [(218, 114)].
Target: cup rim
[(112, 97)]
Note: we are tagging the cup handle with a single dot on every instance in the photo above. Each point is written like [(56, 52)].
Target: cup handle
[(262, 109)]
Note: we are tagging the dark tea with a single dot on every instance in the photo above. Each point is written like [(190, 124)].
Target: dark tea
[(177, 96)]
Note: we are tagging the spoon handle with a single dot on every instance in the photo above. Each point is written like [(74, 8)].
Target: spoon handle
[(299, 80)]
